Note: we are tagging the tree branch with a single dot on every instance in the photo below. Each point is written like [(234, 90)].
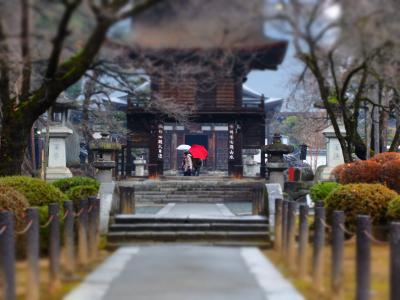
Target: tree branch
[(25, 49)]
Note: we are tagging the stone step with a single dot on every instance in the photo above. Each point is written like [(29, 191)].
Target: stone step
[(193, 219), (188, 236), (188, 227)]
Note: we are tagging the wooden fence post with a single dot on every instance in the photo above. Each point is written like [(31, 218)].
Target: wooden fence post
[(338, 218), (363, 258), (278, 225), (54, 246), (83, 232), (69, 238), (97, 223), (291, 227), (303, 240), (318, 248), (32, 255), (7, 255), (395, 261), (285, 205)]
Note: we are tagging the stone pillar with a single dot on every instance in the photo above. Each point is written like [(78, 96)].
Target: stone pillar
[(57, 163), (156, 150), (139, 167), (235, 161)]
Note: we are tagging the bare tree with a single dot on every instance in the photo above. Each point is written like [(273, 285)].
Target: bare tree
[(341, 48), (34, 69)]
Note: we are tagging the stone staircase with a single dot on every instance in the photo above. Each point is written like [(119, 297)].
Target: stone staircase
[(192, 189), (224, 231), (198, 225)]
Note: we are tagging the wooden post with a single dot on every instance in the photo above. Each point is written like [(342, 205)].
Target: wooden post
[(285, 205), (303, 241), (291, 249), (7, 255), (395, 261), (54, 246), (318, 248), (69, 239), (83, 232), (127, 200), (363, 258), (278, 225), (337, 254), (32, 255)]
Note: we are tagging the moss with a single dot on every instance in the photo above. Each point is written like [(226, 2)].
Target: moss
[(321, 190)]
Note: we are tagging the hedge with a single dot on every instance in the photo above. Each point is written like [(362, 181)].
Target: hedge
[(38, 192)]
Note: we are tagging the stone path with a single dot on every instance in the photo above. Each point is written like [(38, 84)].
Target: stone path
[(191, 209), (183, 272)]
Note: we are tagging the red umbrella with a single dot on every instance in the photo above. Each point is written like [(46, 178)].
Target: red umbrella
[(198, 151)]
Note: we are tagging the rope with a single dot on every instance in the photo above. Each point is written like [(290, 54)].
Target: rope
[(325, 224), (352, 240), (48, 222), (79, 212), (65, 215), (3, 229), (341, 226), (90, 208), (373, 239), (26, 228)]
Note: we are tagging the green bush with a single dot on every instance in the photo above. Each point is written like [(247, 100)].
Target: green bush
[(360, 199), (81, 192), (393, 210), (67, 183), (38, 192), (320, 191)]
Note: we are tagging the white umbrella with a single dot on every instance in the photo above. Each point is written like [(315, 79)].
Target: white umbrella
[(183, 147)]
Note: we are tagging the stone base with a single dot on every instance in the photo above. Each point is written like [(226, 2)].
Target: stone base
[(104, 175), (323, 173), (277, 177), (54, 173)]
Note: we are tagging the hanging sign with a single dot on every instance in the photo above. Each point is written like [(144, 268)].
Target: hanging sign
[(160, 141), (231, 142)]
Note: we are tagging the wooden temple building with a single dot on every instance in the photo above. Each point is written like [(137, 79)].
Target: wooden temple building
[(204, 76)]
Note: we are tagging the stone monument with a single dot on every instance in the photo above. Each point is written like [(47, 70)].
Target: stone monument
[(276, 164), (334, 155)]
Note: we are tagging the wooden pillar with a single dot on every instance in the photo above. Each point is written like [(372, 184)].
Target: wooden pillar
[(129, 161), (235, 162), (156, 149)]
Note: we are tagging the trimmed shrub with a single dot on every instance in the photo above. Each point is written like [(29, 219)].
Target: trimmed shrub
[(338, 170), (360, 199), (384, 157), (38, 192), (393, 210), (67, 183), (390, 174), (320, 191), (14, 201), (361, 171), (81, 192)]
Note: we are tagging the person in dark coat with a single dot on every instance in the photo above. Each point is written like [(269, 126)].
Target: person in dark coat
[(197, 164)]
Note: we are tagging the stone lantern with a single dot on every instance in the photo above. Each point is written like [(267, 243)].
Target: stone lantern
[(58, 133), (104, 163), (276, 164)]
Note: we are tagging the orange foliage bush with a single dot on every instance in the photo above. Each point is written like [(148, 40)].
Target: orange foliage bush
[(338, 170), (390, 174), (362, 171), (384, 157)]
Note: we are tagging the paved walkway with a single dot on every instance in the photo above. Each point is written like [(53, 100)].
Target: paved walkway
[(184, 272), (195, 209)]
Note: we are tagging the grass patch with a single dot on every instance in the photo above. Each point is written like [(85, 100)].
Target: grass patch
[(68, 283), (379, 273)]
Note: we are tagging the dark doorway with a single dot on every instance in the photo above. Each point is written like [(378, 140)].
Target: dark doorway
[(199, 139)]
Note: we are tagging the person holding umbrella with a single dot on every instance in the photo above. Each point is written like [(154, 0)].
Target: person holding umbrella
[(187, 164), (198, 153)]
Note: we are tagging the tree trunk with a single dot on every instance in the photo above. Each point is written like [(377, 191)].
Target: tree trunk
[(14, 141)]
